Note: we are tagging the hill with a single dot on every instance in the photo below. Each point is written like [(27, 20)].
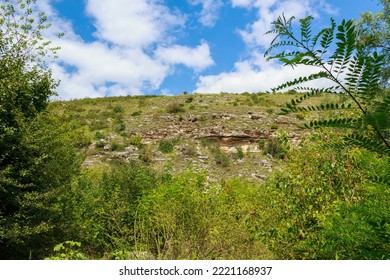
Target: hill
[(223, 134)]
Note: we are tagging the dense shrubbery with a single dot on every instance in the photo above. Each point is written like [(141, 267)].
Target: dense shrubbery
[(326, 205)]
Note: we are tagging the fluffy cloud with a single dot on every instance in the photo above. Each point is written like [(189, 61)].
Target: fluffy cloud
[(198, 58), (132, 53), (255, 74), (138, 24), (210, 11)]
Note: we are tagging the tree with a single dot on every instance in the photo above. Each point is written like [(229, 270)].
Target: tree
[(377, 35), (37, 155), (353, 68)]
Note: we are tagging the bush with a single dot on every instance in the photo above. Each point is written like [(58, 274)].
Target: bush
[(120, 127), (261, 144), (101, 205), (135, 140), (100, 144), (277, 146), (166, 146), (31, 220), (136, 113), (240, 152), (116, 147), (220, 157), (99, 135), (117, 109), (186, 218), (174, 108), (146, 155), (326, 206)]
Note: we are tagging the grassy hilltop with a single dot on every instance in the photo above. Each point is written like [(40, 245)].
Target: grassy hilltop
[(225, 134)]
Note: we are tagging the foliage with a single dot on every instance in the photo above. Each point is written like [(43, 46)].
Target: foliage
[(69, 250), (99, 208), (368, 112), (38, 155), (187, 218), (135, 140), (377, 35), (117, 109), (240, 152), (116, 147), (167, 145), (221, 158), (30, 213), (136, 114), (277, 146), (174, 108), (326, 206)]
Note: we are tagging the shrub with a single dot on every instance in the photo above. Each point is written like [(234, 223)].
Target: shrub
[(99, 135), (189, 99), (326, 206), (220, 157), (146, 155), (117, 109), (100, 144), (120, 127), (240, 152), (277, 146), (117, 147), (135, 140), (101, 205), (136, 113), (166, 146), (187, 218), (174, 108), (261, 144)]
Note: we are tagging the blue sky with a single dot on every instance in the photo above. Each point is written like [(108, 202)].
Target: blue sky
[(133, 47)]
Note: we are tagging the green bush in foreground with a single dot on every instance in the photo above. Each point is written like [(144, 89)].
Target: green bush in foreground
[(186, 218), (327, 205)]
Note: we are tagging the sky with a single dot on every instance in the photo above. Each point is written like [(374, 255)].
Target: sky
[(154, 47)]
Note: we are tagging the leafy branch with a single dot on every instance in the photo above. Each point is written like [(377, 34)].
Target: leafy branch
[(354, 71)]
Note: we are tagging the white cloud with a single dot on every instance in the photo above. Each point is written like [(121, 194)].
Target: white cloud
[(198, 58), (210, 11), (254, 76), (133, 52), (138, 23), (268, 11), (255, 73), (242, 3)]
